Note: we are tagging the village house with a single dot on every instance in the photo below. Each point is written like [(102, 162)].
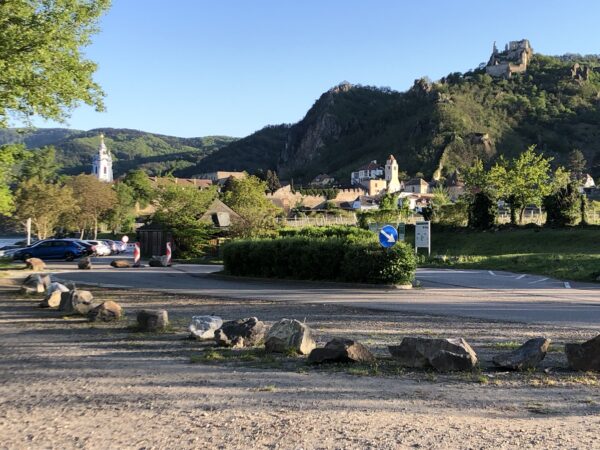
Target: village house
[(322, 180), (369, 171), (417, 186)]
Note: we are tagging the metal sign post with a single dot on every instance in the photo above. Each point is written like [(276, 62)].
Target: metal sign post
[(423, 236)]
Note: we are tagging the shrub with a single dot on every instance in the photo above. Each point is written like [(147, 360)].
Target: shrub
[(482, 211), (331, 259), (562, 207), (337, 231)]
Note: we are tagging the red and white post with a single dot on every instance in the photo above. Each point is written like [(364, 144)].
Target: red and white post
[(168, 255), (136, 255)]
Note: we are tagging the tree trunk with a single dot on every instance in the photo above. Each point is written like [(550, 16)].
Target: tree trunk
[(95, 228), (81, 233)]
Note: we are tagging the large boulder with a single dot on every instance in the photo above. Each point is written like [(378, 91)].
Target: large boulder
[(84, 263), (158, 261), (288, 334), (33, 284), (120, 263), (56, 287), (441, 354), (76, 302), (585, 356), (152, 320), (52, 300), (204, 327), (35, 264), (241, 333), (341, 350), (106, 312), (527, 356)]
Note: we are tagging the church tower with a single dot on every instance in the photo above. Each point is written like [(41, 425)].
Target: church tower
[(391, 175), (102, 164)]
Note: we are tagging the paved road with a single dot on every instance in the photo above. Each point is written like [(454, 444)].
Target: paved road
[(461, 293)]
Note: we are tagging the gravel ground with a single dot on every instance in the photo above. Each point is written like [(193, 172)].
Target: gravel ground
[(66, 383)]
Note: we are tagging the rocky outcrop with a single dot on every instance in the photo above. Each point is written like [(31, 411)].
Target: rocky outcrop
[(585, 356), (241, 333), (341, 350), (152, 320), (527, 356), (33, 284), (52, 300), (290, 335), (204, 327), (106, 312), (444, 355)]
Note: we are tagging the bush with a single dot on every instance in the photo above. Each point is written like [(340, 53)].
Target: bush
[(331, 259), (482, 211), (562, 207), (338, 231)]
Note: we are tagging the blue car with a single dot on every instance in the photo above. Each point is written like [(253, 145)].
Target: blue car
[(51, 249)]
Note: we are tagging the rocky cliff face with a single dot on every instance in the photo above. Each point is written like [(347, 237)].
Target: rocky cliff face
[(306, 139)]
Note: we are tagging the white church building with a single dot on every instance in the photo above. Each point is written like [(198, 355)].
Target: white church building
[(102, 163)]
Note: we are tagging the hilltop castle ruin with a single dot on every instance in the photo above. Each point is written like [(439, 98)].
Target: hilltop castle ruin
[(514, 59)]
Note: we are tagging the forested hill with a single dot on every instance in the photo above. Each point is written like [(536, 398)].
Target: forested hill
[(436, 125), (131, 149)]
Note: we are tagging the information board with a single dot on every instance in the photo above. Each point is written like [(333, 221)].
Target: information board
[(423, 236)]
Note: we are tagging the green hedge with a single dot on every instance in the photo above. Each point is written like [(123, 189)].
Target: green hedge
[(330, 259), (348, 232)]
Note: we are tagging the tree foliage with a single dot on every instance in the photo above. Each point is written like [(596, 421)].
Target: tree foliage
[(141, 187), (9, 156), (562, 207), (94, 198), (41, 164), (42, 69), (247, 198), (482, 211)]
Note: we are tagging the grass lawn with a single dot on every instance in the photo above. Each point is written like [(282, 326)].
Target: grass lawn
[(569, 253)]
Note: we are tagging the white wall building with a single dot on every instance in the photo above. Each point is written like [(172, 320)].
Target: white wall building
[(391, 175), (102, 163)]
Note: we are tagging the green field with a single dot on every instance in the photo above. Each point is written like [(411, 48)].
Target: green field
[(570, 253)]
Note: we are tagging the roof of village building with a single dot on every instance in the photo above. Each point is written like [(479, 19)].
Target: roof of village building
[(391, 158), (322, 177), (416, 182), (195, 182), (370, 166)]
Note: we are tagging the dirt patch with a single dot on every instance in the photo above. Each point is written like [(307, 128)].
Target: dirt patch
[(66, 383)]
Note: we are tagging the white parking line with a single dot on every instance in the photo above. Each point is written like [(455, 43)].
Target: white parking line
[(521, 276), (538, 281), (567, 285), (491, 273)]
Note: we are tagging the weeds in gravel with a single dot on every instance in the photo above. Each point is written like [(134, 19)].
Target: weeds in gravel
[(510, 345)]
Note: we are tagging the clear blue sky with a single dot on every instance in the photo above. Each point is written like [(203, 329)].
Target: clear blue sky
[(197, 68)]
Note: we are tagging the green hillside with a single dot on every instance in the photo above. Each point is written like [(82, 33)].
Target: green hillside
[(131, 149), (443, 124)]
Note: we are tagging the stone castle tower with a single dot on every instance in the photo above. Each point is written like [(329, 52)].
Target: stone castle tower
[(391, 175), (102, 163)]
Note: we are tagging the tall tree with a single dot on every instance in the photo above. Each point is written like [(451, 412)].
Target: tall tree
[(142, 189), (577, 163), (9, 156), (247, 198), (95, 198), (41, 164), (522, 181), (45, 203), (122, 216), (272, 181), (42, 69)]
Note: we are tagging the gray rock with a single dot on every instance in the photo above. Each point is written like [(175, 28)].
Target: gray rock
[(120, 263), (35, 264), (241, 333), (84, 264), (152, 320), (527, 356), (288, 335), (204, 327), (158, 261), (106, 312), (52, 300), (33, 284), (56, 287), (341, 350), (441, 354), (76, 302), (585, 356)]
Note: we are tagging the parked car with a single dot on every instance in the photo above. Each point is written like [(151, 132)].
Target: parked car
[(89, 248), (114, 247), (100, 248), (51, 249)]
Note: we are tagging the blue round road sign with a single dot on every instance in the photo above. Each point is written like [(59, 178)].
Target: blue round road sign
[(388, 236)]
